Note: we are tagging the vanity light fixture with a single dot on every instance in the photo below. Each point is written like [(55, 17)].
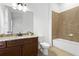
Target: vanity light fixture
[(20, 6)]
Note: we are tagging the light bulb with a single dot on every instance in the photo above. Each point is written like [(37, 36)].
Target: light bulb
[(19, 7), (25, 8)]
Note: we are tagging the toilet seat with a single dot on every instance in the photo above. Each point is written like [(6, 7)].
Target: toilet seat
[(44, 45)]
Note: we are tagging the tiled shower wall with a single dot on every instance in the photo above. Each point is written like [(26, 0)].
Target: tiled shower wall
[(66, 24)]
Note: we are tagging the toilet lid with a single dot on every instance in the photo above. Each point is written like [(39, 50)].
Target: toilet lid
[(45, 44)]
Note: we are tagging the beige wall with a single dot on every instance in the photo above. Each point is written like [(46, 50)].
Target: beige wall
[(67, 23)]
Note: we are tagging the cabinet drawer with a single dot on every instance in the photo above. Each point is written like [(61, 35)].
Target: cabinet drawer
[(31, 40), (2, 44), (14, 42)]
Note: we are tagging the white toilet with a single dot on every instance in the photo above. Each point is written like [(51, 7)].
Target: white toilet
[(45, 47)]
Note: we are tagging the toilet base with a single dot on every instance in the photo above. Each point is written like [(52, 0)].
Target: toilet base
[(44, 48), (45, 52)]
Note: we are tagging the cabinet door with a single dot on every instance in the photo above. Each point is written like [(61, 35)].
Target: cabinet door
[(29, 50), (30, 47), (12, 51)]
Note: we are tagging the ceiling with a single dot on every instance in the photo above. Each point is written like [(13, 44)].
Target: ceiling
[(61, 7)]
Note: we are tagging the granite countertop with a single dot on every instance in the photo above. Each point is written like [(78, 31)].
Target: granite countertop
[(16, 37)]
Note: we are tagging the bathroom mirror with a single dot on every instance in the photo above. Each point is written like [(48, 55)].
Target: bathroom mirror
[(14, 21)]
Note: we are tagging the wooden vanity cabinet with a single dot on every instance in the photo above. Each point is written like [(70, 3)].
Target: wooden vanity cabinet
[(20, 47)]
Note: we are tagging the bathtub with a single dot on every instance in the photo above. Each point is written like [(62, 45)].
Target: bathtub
[(66, 45)]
